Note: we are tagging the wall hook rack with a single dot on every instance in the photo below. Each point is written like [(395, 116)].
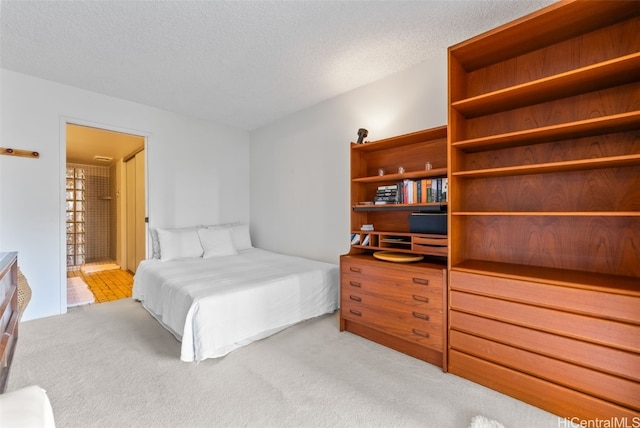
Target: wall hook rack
[(15, 152)]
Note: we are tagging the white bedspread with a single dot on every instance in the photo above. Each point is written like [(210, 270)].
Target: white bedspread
[(218, 304)]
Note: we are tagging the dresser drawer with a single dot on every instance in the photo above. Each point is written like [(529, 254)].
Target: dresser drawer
[(595, 330), (418, 308), (598, 357), (622, 391), (592, 302), (402, 324), (409, 274), (394, 292), (412, 280)]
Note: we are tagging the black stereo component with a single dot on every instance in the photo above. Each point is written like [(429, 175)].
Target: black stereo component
[(428, 222)]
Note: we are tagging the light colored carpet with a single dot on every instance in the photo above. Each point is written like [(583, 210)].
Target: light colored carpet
[(112, 365), (99, 268), (78, 292)]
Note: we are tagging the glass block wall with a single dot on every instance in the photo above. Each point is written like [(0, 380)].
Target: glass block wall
[(89, 220), (75, 202)]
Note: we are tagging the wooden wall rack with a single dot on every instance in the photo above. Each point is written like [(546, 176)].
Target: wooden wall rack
[(16, 152)]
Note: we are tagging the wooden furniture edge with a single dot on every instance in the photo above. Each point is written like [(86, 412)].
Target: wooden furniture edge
[(9, 314)]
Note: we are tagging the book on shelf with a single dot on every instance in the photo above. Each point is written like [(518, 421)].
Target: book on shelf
[(355, 238), (445, 189), (386, 194), (422, 191), (408, 191)]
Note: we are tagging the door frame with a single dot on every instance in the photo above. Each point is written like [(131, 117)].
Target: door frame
[(64, 121)]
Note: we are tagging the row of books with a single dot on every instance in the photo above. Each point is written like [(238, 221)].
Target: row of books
[(356, 239), (413, 192)]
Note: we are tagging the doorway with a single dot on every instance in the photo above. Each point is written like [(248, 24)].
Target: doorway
[(104, 185)]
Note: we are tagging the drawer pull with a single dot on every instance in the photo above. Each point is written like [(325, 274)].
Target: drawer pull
[(421, 316), (355, 284), (355, 269), (420, 333), (420, 298), (355, 298), (421, 281), (354, 312)]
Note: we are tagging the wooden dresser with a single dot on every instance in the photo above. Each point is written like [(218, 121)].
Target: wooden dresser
[(8, 313), (398, 305), (570, 348)]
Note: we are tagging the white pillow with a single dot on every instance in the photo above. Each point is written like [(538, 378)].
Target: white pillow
[(239, 233), (179, 243), (221, 225), (241, 237), (216, 242), (155, 243)]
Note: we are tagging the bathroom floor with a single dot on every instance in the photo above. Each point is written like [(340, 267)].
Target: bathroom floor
[(106, 285)]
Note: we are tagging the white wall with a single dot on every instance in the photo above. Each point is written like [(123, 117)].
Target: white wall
[(197, 173), (300, 164)]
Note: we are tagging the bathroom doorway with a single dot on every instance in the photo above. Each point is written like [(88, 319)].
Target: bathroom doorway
[(104, 240)]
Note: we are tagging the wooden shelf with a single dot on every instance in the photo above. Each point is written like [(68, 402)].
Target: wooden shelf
[(583, 128), (411, 151), (606, 74), (569, 278), (411, 175), (402, 140), (402, 242), (560, 21), (400, 207), (549, 213), (544, 168)]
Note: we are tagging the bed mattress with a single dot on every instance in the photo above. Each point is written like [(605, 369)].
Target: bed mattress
[(219, 304)]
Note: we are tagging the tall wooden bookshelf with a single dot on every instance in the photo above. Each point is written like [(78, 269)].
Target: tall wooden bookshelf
[(399, 305), (544, 184)]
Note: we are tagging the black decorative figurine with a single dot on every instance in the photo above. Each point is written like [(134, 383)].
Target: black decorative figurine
[(362, 134)]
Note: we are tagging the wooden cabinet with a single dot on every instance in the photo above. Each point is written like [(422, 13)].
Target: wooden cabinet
[(9, 315), (544, 201), (569, 348), (400, 305), (391, 222)]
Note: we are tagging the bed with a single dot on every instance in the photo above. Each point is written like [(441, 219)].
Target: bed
[(215, 292)]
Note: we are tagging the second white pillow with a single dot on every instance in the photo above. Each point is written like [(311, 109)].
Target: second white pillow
[(216, 242)]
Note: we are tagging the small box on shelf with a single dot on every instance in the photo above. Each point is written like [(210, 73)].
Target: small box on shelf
[(428, 222)]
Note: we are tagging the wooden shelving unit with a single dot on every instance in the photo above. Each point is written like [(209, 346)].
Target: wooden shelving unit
[(410, 151), (425, 244), (400, 305), (544, 202)]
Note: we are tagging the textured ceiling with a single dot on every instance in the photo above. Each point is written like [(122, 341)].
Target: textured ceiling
[(238, 63)]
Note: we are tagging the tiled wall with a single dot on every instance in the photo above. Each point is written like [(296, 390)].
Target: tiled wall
[(98, 213), (113, 190)]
